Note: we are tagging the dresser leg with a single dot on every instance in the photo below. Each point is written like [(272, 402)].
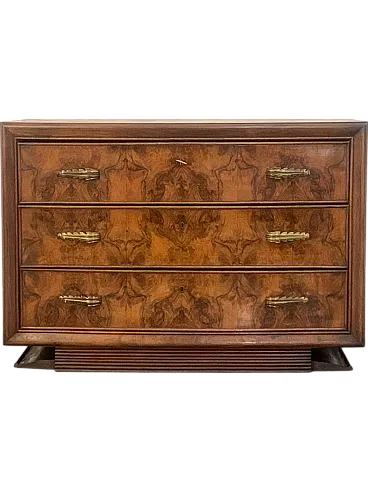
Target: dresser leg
[(37, 357), (329, 360)]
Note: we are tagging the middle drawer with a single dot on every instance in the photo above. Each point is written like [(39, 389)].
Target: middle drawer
[(185, 236)]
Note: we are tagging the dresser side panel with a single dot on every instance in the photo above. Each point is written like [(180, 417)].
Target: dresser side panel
[(10, 232), (357, 235)]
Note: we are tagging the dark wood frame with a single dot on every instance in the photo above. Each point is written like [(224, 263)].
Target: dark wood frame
[(354, 132)]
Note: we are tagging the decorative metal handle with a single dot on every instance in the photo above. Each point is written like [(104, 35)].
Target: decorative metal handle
[(281, 301), (86, 174), (287, 173), (278, 237), (181, 162), (87, 237), (89, 300)]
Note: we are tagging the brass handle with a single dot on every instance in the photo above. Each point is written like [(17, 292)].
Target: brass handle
[(286, 173), (281, 301), (89, 300), (181, 162), (86, 174), (278, 237), (87, 237)]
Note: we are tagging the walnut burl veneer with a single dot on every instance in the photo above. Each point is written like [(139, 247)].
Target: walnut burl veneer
[(184, 236), (182, 301), (182, 172), (184, 245)]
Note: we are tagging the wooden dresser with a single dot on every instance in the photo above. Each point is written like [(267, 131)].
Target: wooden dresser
[(184, 245)]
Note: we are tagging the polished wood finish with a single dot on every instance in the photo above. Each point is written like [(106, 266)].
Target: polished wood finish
[(182, 213), (183, 236), (357, 233), (183, 301), (37, 357), (178, 360), (10, 235), (183, 172), (249, 339), (183, 130)]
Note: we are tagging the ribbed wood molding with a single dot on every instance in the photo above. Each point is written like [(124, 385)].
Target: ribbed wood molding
[(182, 359)]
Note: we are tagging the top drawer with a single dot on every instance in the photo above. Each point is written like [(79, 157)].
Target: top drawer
[(183, 172)]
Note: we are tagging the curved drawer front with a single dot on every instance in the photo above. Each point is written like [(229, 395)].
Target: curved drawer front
[(183, 301), (184, 236), (194, 172)]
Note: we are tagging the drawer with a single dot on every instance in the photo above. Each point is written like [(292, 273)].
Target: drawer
[(284, 236), (183, 301), (195, 172)]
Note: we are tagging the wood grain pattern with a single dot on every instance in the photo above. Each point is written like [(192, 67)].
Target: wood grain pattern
[(183, 301), (184, 130), (10, 237), (214, 172), (357, 235), (184, 236), (222, 186), (179, 359)]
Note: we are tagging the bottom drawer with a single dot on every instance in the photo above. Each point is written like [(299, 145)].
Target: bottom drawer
[(183, 301)]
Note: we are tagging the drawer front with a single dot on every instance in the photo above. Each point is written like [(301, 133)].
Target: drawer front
[(184, 236), (183, 301), (183, 172)]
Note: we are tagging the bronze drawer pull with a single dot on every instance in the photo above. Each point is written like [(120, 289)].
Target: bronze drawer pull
[(87, 237), (281, 301), (181, 162), (278, 237), (86, 174), (286, 173), (89, 300)]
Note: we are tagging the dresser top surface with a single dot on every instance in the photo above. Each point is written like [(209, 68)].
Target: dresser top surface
[(181, 129)]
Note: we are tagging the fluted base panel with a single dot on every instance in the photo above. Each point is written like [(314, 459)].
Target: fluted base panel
[(182, 359)]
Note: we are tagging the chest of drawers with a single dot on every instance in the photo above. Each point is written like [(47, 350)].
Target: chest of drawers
[(184, 245)]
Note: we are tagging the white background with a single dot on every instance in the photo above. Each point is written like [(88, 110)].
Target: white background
[(188, 115)]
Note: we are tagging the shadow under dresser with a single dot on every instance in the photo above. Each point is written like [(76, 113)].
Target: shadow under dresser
[(184, 245)]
